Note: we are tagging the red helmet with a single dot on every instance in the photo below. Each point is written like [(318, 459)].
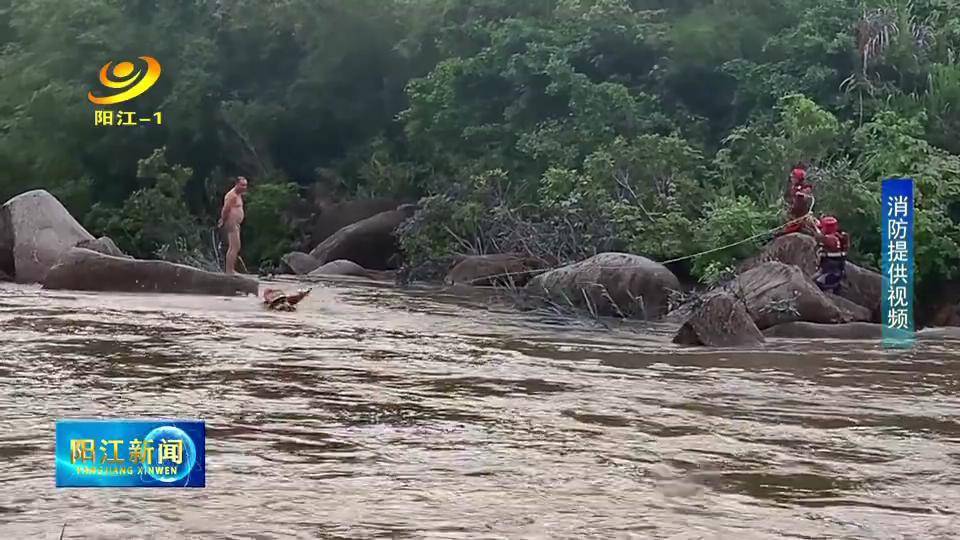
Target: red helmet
[(799, 174), (829, 225)]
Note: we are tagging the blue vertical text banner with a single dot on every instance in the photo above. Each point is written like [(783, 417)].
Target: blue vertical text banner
[(897, 262)]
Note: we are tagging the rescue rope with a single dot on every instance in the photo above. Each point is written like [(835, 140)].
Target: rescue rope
[(748, 239), (733, 244), (678, 259)]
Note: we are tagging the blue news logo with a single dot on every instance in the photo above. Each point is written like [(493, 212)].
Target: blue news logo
[(130, 453)]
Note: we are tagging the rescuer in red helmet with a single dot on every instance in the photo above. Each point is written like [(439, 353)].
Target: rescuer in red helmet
[(799, 199), (797, 182), (833, 247)]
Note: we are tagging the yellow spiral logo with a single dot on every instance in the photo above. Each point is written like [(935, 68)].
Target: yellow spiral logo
[(126, 75)]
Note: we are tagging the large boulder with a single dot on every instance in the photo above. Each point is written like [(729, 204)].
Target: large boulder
[(349, 268), (488, 270), (720, 321), (808, 330), (329, 217), (35, 230), (86, 270), (371, 243), (432, 270), (340, 268), (610, 284), (104, 245), (300, 263), (797, 249), (863, 287), (850, 311), (777, 293)]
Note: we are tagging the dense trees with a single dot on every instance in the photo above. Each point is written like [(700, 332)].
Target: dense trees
[(556, 126)]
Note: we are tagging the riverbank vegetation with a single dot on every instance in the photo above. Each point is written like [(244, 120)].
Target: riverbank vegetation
[(558, 128)]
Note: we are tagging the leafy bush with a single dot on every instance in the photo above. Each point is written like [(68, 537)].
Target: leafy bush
[(892, 146), (729, 221), (268, 232), (154, 221), (428, 235)]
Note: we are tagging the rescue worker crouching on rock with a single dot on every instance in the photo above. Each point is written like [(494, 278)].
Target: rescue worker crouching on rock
[(833, 246)]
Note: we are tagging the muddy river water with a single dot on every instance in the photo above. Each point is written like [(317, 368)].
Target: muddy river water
[(379, 412)]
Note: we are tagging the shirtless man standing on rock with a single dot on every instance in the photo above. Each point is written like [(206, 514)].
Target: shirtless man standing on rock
[(230, 219)]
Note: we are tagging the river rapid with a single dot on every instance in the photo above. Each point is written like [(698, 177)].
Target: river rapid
[(379, 412)]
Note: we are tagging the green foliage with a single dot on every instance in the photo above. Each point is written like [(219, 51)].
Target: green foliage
[(651, 171), (154, 219), (729, 221), (437, 229), (811, 132), (268, 231), (380, 171), (756, 157), (666, 236), (942, 104), (76, 195), (892, 146), (716, 273), (854, 199)]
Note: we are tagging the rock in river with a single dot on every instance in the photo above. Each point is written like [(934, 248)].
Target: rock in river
[(776, 293), (720, 321), (610, 284), (860, 285), (850, 311), (371, 243), (863, 287), (349, 268), (85, 270), (487, 270), (797, 249), (300, 263), (35, 230), (329, 217), (104, 245)]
